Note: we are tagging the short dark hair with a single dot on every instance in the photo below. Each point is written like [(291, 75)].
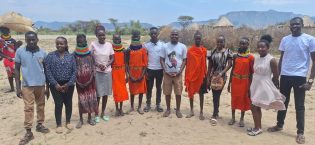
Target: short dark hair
[(31, 32), (245, 38), (297, 18), (197, 33), (99, 27), (81, 36), (154, 28), (135, 32), (4, 29)]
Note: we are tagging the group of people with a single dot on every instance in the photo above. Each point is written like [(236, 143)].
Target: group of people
[(102, 69)]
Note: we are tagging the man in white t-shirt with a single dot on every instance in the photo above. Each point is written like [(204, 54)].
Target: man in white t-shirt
[(296, 51), (154, 71), (173, 60)]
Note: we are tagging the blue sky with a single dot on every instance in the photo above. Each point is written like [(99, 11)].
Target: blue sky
[(157, 12)]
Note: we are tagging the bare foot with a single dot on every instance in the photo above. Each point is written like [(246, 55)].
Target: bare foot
[(167, 113), (179, 114), (191, 114), (201, 117)]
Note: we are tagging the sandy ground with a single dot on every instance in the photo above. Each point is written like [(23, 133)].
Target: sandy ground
[(151, 128)]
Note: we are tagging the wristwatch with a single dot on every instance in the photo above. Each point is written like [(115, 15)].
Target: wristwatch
[(310, 81)]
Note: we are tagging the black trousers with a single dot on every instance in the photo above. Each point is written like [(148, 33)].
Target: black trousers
[(60, 99), (158, 76), (286, 84), (216, 102)]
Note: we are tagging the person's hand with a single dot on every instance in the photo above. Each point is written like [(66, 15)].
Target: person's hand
[(276, 82), (132, 79), (172, 74), (229, 88), (307, 86), (102, 67), (11, 59), (47, 92), (64, 88), (58, 88), (19, 92)]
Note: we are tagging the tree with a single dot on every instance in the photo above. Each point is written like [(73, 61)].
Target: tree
[(185, 21), (114, 22)]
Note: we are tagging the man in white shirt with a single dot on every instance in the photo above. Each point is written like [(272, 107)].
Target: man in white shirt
[(173, 60), (296, 51), (154, 70)]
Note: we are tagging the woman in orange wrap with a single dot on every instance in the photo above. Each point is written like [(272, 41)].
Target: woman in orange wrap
[(137, 63), (195, 74), (119, 75), (241, 76)]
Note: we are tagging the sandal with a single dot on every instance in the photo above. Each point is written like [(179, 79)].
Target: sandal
[(59, 130), (140, 111), (254, 132), (232, 121), (241, 123), (167, 113), (147, 108), (274, 129), (179, 114), (91, 122), (159, 108), (300, 139), (213, 122), (69, 126), (27, 138), (41, 128), (79, 125), (97, 119), (105, 118), (201, 117)]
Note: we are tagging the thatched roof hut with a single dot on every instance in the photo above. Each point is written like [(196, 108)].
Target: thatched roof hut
[(223, 22)]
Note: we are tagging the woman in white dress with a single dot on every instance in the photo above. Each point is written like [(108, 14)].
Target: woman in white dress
[(264, 88)]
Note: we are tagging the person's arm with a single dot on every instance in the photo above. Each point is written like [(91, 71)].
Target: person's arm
[(5, 56), (17, 79), (74, 72), (145, 61), (48, 72), (111, 60), (231, 74), (280, 62), (307, 86), (182, 67), (275, 72), (47, 81)]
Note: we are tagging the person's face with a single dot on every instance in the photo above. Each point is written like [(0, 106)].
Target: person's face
[(116, 39), (244, 44), (296, 26), (135, 37), (101, 36), (198, 39), (262, 48), (154, 34), (31, 40), (81, 41), (61, 45), (174, 37), (220, 42)]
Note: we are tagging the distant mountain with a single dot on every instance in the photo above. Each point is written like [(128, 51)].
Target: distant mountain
[(51, 25), (58, 25), (254, 19), (259, 19)]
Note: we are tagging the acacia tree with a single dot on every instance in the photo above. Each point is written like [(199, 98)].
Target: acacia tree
[(114, 22), (185, 21)]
